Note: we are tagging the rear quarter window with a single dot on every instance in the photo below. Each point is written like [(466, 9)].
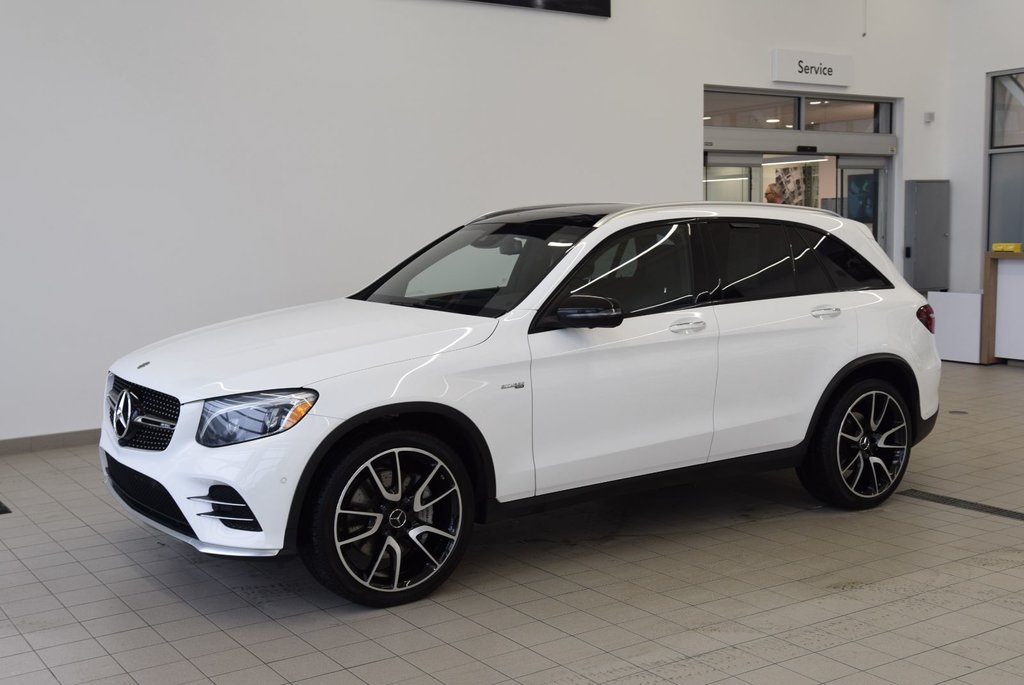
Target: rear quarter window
[(847, 268)]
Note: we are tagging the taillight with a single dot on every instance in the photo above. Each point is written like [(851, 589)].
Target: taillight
[(926, 315)]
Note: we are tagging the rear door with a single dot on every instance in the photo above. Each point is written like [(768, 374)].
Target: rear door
[(784, 331)]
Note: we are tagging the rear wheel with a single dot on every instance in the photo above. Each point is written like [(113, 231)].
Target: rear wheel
[(860, 454), (391, 521)]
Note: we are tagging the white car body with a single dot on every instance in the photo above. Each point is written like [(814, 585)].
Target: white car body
[(557, 410)]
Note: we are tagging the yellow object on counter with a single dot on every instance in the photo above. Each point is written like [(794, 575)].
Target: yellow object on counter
[(1006, 247)]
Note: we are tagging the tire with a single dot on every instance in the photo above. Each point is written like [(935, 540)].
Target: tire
[(859, 455), (380, 542)]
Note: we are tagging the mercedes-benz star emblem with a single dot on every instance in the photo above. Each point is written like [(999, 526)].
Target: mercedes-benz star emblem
[(123, 413), (397, 518)]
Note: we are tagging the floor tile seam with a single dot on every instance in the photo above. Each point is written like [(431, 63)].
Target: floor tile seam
[(866, 586), (393, 655), (982, 667), (106, 652), (880, 630)]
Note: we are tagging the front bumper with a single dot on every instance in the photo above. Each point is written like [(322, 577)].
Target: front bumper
[(169, 489)]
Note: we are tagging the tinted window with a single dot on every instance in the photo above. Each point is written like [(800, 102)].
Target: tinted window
[(644, 270), (810, 272), (848, 270), (754, 261)]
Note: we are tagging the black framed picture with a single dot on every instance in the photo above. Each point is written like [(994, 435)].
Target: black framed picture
[(598, 8)]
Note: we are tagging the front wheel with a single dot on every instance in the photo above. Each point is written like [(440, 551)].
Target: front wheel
[(860, 454), (391, 521)]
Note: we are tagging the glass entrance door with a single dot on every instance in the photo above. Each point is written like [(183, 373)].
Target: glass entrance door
[(854, 186), (862, 195)]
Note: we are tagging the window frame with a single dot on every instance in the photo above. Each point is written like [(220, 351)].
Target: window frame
[(884, 110), (992, 152), (993, 79)]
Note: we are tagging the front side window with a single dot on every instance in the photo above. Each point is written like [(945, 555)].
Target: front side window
[(645, 270), (484, 269)]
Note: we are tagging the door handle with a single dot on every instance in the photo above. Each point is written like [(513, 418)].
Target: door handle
[(691, 326), (826, 312)]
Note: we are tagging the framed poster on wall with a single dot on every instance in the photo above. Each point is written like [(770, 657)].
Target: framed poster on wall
[(598, 8)]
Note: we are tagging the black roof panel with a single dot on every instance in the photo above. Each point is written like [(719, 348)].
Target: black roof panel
[(565, 215)]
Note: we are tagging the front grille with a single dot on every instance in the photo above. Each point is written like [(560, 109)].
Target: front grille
[(147, 496), (153, 404)]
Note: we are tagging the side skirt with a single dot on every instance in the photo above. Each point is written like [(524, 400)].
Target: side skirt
[(768, 461)]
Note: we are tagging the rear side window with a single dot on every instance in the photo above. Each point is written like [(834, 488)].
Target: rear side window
[(754, 261), (811, 276), (848, 269)]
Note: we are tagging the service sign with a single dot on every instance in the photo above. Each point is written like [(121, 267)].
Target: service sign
[(797, 66)]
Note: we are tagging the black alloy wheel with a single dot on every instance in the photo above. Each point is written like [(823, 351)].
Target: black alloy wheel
[(392, 520), (859, 456)]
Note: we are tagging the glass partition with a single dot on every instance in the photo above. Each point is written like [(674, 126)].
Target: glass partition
[(848, 116), (1005, 200), (765, 111), (1008, 110), (749, 110), (1006, 159), (732, 184)]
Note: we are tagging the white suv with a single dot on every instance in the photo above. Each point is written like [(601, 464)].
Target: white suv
[(533, 356)]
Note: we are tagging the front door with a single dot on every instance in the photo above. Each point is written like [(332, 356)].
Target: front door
[(610, 403)]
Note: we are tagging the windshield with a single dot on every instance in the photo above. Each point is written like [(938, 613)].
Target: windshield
[(484, 269)]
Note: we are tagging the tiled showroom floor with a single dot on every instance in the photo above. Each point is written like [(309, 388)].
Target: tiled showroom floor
[(740, 581)]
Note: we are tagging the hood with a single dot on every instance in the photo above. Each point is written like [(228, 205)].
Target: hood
[(296, 347)]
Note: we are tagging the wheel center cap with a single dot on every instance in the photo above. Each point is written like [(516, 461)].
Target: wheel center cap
[(397, 518), (865, 442)]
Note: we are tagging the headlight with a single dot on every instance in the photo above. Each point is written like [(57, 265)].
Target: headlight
[(240, 418)]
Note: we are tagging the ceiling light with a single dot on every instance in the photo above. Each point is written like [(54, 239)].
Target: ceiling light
[(789, 125), (706, 118), (771, 121), (796, 161), (814, 102)]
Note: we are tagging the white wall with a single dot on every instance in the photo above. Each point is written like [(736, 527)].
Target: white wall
[(980, 42), (164, 165)]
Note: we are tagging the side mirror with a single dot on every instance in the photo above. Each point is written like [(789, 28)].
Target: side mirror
[(589, 311)]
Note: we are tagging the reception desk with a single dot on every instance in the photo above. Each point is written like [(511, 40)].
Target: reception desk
[(1002, 307)]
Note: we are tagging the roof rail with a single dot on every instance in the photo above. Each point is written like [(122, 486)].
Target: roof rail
[(706, 203)]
